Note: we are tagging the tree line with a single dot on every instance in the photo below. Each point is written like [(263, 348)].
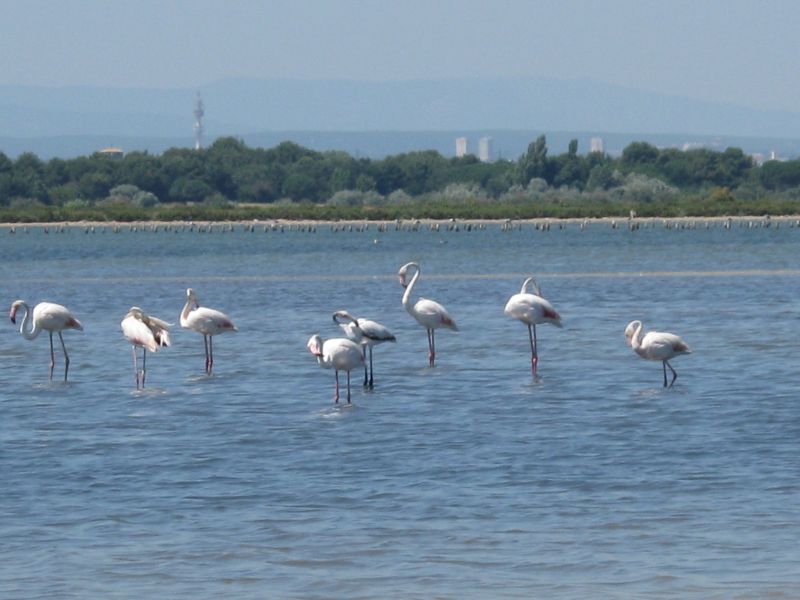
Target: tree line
[(229, 171)]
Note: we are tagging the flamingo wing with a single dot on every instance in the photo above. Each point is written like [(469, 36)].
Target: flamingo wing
[(54, 317), (375, 332), (532, 309), (209, 321), (138, 334), (431, 314), (659, 345)]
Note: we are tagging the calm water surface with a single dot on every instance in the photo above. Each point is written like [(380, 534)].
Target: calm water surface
[(468, 480)]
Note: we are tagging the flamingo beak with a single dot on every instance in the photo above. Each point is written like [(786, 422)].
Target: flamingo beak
[(402, 279), (13, 316)]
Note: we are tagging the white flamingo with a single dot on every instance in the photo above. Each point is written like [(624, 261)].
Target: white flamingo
[(146, 332), (428, 313), (532, 309), (656, 345), (50, 317), (206, 321), (339, 354), (366, 332)]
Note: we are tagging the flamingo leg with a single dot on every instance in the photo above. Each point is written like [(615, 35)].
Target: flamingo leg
[(135, 366), (664, 366), (336, 394), (348, 387), (52, 357), (674, 374), (144, 364), (364, 356), (66, 356), (534, 349), (371, 372), (210, 354), (431, 347)]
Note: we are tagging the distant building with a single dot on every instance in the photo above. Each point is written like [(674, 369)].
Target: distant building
[(199, 111), (485, 149), (112, 152), (461, 147), (596, 145)]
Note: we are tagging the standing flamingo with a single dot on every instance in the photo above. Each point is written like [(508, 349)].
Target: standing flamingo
[(532, 309), (428, 313), (366, 332), (339, 354), (48, 316), (207, 321), (148, 333), (656, 345)]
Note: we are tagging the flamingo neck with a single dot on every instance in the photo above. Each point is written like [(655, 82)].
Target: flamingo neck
[(187, 308), (636, 339), (407, 294), (34, 330), (528, 282)]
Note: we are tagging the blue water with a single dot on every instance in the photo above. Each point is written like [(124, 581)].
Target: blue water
[(468, 480)]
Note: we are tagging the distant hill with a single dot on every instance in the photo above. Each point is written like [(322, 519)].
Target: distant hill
[(378, 118)]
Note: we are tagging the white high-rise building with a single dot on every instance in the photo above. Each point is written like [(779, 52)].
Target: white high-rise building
[(199, 111), (461, 147), (485, 149), (596, 145)]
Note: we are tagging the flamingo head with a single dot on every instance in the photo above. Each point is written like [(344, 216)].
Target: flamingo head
[(14, 307), (314, 345), (191, 297), (631, 329), (530, 281), (403, 273), (344, 316), (135, 311)]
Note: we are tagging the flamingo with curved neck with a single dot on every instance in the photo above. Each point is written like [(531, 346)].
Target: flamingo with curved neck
[(148, 333), (50, 317), (428, 313), (339, 354), (367, 333), (532, 309), (656, 345), (206, 321)]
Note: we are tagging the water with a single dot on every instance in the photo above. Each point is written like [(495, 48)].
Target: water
[(469, 480)]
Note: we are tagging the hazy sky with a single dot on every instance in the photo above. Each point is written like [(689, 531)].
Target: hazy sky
[(739, 51)]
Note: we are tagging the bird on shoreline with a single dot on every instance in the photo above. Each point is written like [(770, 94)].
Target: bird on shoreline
[(428, 313), (339, 354), (146, 332), (532, 309), (206, 321), (656, 345), (49, 317), (367, 333)]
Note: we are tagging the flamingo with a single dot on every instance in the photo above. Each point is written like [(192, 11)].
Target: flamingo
[(148, 333), (428, 313), (366, 332), (339, 354), (532, 309), (50, 317), (207, 321), (656, 345)]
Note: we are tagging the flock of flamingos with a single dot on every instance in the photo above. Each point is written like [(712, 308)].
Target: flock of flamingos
[(340, 354)]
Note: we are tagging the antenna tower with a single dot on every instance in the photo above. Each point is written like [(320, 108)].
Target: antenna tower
[(198, 123)]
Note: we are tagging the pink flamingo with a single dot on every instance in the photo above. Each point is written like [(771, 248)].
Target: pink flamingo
[(339, 354), (50, 317), (428, 313), (206, 321), (532, 309), (366, 332), (146, 332), (656, 345)]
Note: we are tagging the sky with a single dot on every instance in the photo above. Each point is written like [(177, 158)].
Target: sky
[(741, 52)]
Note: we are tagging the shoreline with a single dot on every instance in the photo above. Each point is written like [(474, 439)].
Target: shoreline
[(628, 221)]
